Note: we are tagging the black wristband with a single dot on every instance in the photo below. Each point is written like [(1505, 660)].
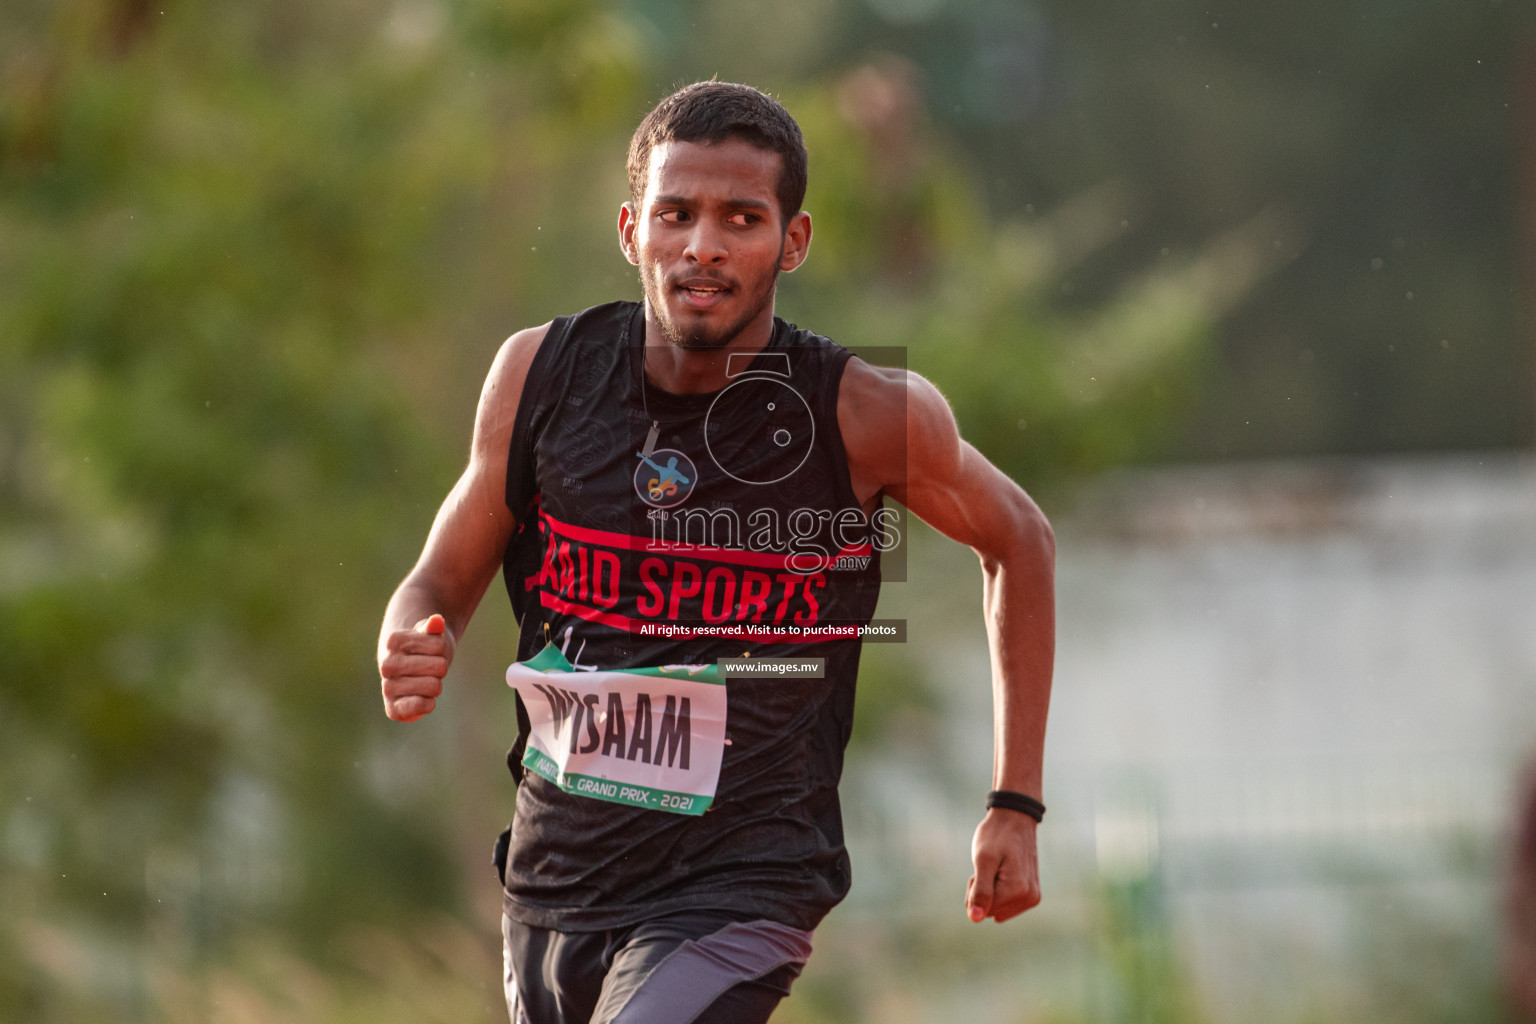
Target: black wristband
[(1010, 801)]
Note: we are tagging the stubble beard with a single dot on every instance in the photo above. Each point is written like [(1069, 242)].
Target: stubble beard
[(698, 339)]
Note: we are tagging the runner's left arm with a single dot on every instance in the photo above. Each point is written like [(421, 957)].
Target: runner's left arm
[(952, 487), (463, 550)]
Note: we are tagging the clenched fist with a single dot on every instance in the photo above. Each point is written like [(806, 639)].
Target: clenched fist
[(1007, 878), (412, 664)]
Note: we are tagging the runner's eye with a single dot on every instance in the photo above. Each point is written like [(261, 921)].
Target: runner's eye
[(672, 216), (743, 220)]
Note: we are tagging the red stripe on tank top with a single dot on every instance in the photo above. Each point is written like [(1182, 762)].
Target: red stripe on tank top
[(724, 631), (630, 542)]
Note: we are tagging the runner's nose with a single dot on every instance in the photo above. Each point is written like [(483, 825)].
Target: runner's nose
[(706, 244)]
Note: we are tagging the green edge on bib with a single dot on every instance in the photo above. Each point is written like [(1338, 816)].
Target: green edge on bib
[(549, 659), (692, 804)]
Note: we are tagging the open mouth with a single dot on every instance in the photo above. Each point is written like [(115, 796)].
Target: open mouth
[(701, 294)]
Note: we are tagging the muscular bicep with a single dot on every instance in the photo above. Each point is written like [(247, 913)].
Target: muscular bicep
[(902, 441), (972, 501), (943, 480)]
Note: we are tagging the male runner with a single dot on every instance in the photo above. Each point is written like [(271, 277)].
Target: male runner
[(694, 460)]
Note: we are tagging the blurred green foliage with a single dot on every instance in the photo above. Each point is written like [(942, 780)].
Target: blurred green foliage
[(254, 259)]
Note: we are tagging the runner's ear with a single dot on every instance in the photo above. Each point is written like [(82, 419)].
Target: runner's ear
[(797, 241), (628, 221)]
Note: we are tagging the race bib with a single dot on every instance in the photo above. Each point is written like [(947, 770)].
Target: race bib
[(646, 737)]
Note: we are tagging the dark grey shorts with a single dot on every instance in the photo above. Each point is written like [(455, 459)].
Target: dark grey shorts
[(698, 967)]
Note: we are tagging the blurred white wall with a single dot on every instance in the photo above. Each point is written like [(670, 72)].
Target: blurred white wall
[(1291, 705)]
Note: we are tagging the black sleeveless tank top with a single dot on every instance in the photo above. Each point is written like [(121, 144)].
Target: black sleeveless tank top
[(738, 520)]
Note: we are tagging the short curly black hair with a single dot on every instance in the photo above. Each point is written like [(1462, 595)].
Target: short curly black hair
[(716, 111)]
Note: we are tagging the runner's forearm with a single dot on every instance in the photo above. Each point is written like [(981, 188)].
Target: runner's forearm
[(1019, 605)]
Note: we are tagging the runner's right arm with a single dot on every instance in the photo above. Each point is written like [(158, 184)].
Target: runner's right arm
[(463, 552)]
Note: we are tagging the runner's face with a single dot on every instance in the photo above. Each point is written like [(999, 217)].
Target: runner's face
[(710, 241)]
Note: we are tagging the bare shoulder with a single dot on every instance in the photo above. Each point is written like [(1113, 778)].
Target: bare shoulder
[(504, 388), (885, 415)]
